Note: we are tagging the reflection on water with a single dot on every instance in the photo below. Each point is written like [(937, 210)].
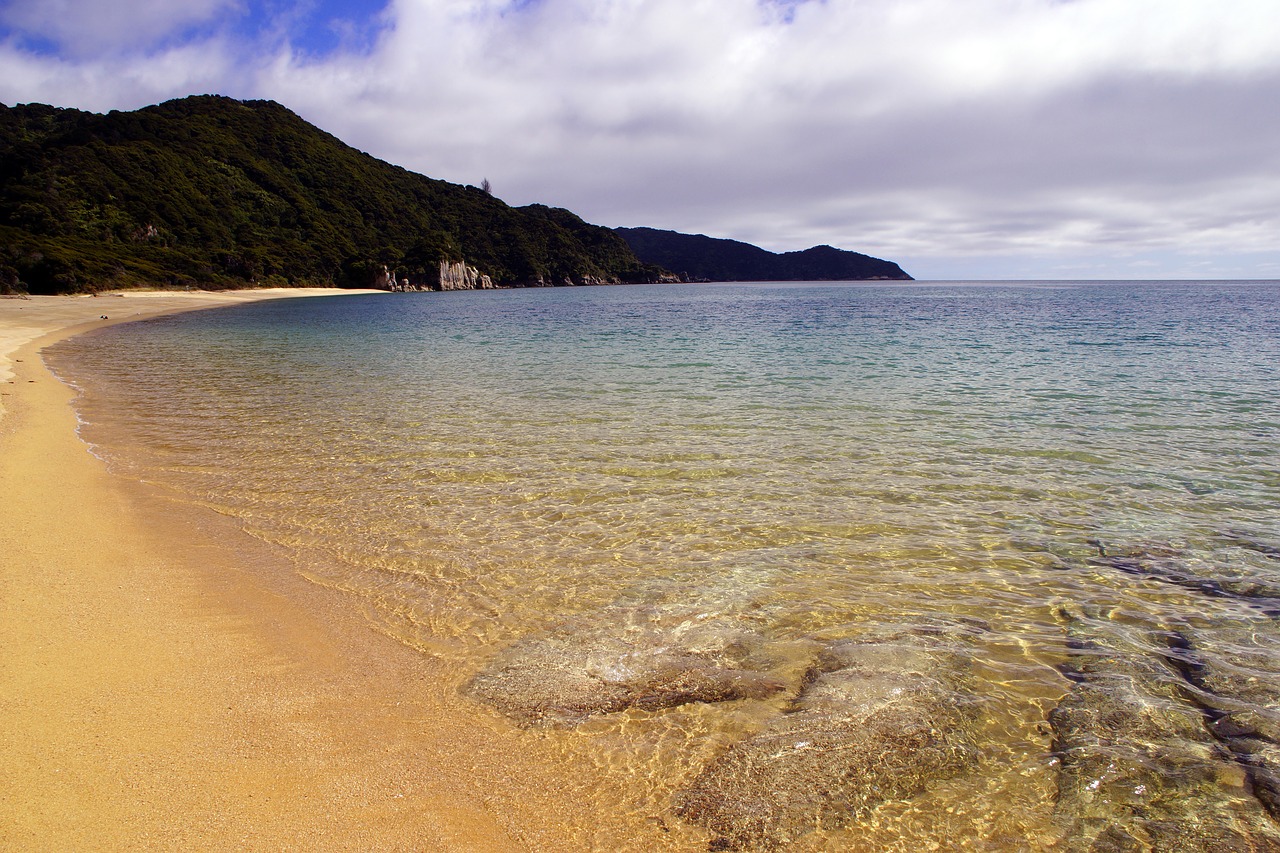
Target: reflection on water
[(887, 558)]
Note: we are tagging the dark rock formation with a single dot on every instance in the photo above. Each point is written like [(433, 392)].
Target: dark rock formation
[(1252, 542), (1139, 769), (878, 719), (649, 658), (1236, 673), (1168, 565)]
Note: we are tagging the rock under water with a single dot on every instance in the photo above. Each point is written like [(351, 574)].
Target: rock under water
[(1236, 673), (878, 720), (648, 657), (1252, 542), (1166, 564), (1139, 768)]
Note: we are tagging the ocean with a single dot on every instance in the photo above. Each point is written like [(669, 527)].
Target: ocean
[(811, 564)]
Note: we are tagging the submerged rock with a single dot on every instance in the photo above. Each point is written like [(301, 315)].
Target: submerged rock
[(1169, 566), (1237, 676), (649, 658), (878, 720), (1253, 542), (1139, 769)]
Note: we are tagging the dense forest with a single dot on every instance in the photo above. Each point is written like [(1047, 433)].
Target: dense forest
[(211, 192), (698, 258)]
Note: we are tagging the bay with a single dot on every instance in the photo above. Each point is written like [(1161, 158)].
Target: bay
[(1024, 490)]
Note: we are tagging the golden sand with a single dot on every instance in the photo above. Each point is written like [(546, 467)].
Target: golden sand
[(157, 692)]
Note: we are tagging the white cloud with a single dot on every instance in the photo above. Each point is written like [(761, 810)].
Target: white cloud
[(82, 28), (126, 82), (914, 129)]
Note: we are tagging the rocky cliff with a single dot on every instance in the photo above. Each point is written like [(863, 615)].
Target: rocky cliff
[(459, 276)]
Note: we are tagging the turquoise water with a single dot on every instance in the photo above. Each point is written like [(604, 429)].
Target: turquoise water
[(816, 462)]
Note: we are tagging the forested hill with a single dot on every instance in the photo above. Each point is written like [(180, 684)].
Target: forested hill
[(699, 258), (212, 192)]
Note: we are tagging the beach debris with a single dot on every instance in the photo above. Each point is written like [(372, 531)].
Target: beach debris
[(879, 719), (648, 657), (1138, 766), (1168, 565)]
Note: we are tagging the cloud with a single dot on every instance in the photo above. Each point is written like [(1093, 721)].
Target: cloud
[(933, 132), (122, 82), (84, 28)]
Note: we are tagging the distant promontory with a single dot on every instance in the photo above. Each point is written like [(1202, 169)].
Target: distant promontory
[(695, 257)]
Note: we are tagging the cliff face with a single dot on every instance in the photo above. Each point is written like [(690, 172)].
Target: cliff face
[(695, 257), (212, 192), (459, 276), (450, 276)]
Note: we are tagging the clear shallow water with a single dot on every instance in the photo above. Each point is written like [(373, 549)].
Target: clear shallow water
[(818, 463)]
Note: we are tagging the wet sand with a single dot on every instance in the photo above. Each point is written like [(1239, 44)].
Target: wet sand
[(165, 683)]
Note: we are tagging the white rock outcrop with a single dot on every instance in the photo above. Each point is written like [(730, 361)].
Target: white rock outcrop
[(459, 276)]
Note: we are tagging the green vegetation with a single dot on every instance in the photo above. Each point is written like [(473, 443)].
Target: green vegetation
[(212, 192), (699, 258)]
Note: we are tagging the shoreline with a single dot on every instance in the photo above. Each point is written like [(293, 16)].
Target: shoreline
[(169, 682), (24, 319)]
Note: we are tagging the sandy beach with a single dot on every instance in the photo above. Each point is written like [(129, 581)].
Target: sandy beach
[(162, 687)]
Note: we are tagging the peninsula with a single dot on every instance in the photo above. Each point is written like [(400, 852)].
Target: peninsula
[(695, 257)]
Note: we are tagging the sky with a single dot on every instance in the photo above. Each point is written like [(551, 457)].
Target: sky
[(964, 139)]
